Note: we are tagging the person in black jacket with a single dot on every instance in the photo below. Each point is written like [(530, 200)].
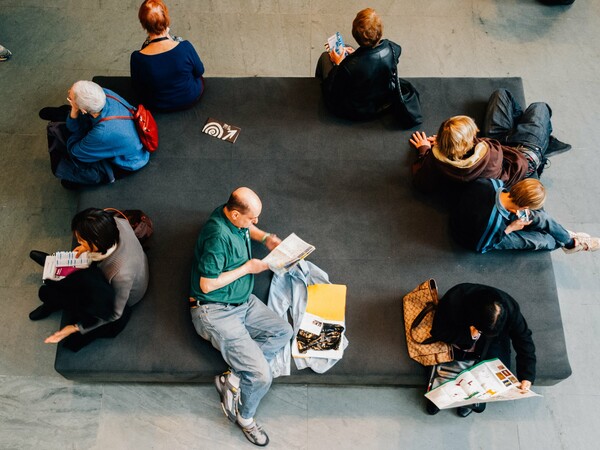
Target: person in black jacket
[(481, 322), (358, 84)]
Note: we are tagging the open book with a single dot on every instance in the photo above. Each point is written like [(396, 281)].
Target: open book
[(287, 254), (487, 381), (60, 264)]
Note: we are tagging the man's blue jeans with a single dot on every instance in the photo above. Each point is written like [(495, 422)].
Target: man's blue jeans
[(544, 233), (248, 336), (506, 122)]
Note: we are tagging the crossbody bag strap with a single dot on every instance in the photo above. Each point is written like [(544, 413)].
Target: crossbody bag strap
[(132, 111), (394, 66), (117, 211), (395, 72), (118, 117)]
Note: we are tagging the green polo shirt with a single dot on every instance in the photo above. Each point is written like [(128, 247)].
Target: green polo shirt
[(221, 247)]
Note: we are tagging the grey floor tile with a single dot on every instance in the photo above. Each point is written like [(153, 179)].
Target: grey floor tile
[(24, 352), (46, 413), (48, 229), (563, 421)]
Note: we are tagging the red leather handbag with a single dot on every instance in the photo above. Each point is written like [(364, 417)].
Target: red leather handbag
[(144, 124)]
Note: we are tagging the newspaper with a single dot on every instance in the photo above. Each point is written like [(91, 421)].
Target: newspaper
[(287, 254), (60, 264), (487, 381)]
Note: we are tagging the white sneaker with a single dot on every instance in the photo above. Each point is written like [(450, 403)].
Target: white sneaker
[(576, 234), (584, 243), (5, 53)]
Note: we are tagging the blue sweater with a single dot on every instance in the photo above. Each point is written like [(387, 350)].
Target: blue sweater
[(169, 80), (113, 140)]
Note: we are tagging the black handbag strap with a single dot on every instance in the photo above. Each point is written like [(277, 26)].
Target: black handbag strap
[(395, 73), (430, 307)]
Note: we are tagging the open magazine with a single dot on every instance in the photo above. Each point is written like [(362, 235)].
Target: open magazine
[(287, 254), (60, 264), (487, 381)]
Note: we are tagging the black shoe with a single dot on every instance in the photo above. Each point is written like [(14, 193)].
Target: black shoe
[(556, 147), (544, 164), (432, 410), (70, 185), (55, 113), (38, 257), (41, 312), (478, 407), (463, 411)]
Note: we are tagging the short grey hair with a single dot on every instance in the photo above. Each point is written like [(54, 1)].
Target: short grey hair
[(89, 96)]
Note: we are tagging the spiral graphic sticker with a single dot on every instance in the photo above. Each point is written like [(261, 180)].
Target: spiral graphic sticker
[(221, 130), (213, 129)]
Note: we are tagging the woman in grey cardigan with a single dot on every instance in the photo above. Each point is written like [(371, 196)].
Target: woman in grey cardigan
[(117, 253)]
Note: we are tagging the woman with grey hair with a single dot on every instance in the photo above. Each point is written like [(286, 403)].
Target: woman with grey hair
[(97, 148)]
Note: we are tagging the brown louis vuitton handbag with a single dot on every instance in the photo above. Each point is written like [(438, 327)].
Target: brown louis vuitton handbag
[(419, 307)]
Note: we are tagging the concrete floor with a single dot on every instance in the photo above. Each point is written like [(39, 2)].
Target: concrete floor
[(555, 50)]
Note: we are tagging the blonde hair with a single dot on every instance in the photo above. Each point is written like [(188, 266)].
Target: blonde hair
[(455, 136), (528, 193)]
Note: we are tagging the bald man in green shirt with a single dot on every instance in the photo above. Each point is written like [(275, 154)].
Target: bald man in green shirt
[(226, 313)]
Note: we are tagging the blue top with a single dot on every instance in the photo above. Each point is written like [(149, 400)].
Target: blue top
[(115, 140), (169, 80)]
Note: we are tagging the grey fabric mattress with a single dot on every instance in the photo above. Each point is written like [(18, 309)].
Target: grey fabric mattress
[(344, 187)]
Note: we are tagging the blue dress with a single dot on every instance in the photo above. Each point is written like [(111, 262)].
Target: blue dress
[(168, 81)]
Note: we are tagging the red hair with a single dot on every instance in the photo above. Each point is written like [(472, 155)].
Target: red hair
[(154, 16), (367, 28)]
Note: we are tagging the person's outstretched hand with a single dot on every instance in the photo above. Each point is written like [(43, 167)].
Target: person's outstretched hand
[(420, 139), (61, 334)]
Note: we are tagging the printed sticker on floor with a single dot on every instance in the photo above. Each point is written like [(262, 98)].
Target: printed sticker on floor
[(221, 130)]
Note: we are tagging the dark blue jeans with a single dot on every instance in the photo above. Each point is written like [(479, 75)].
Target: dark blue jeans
[(68, 168), (506, 122), (544, 233)]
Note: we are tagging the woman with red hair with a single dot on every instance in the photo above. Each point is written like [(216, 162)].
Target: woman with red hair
[(357, 84), (167, 72)]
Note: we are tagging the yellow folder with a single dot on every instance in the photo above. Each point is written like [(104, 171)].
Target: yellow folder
[(327, 301)]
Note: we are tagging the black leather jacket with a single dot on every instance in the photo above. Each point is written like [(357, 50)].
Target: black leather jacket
[(360, 87)]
